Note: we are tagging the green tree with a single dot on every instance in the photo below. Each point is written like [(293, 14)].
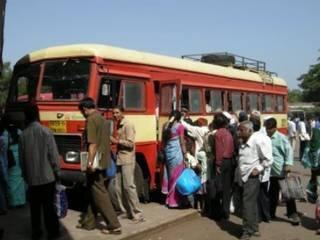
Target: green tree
[(4, 82), (295, 95), (310, 83)]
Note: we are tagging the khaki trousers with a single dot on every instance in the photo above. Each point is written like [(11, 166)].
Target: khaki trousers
[(126, 190)]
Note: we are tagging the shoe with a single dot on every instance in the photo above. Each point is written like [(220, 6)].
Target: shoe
[(294, 219), (82, 226), (138, 220), (256, 234), (245, 236), (115, 231)]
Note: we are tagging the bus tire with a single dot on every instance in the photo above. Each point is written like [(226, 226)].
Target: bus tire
[(142, 179)]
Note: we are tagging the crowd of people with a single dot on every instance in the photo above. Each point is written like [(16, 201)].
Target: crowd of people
[(239, 159), (240, 164)]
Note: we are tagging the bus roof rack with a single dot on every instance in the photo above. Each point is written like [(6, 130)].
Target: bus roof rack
[(230, 60)]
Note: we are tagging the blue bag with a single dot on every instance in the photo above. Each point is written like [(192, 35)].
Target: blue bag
[(112, 170), (188, 182), (61, 201)]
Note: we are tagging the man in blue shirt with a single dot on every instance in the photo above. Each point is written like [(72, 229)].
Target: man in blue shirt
[(282, 161)]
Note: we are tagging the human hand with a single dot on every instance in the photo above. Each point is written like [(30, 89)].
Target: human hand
[(113, 140), (287, 168), (255, 172)]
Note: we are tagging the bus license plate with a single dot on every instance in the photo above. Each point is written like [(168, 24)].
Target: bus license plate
[(58, 126)]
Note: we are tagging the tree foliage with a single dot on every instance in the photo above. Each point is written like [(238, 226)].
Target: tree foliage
[(4, 82), (295, 95), (310, 83)]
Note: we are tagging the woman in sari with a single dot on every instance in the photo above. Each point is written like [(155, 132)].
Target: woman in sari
[(174, 150), (16, 184)]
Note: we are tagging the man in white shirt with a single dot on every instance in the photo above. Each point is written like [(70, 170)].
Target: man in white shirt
[(254, 158), (292, 132), (265, 145)]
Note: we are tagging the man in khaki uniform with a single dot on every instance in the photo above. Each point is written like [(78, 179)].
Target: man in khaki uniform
[(126, 161), (98, 143)]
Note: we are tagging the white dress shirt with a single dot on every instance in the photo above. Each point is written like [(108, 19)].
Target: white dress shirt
[(291, 129), (256, 153)]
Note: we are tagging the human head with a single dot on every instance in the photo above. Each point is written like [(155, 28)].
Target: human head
[(184, 111), (256, 122), (201, 122), (245, 130), (243, 116), (31, 113), (86, 106), (175, 115), (117, 112), (220, 121), (271, 126)]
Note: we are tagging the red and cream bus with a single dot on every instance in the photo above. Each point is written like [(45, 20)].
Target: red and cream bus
[(148, 86)]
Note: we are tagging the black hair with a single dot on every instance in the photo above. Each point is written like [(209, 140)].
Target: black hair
[(166, 134), (121, 108), (31, 113), (220, 120), (86, 102), (271, 123), (256, 123), (243, 117)]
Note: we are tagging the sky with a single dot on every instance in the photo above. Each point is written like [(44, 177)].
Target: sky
[(283, 33)]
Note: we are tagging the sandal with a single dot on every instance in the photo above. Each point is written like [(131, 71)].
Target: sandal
[(116, 231)]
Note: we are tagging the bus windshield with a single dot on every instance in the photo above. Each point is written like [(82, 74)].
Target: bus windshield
[(65, 80)]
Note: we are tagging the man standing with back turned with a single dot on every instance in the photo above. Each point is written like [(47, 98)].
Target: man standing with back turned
[(98, 144), (39, 159)]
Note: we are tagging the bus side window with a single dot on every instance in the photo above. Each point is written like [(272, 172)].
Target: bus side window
[(252, 102), (267, 103), (132, 95), (167, 98), (279, 103), (214, 100), (191, 99), (235, 100)]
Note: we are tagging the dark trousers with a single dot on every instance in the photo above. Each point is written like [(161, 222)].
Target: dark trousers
[(264, 202), (274, 198), (99, 201), (42, 201), (250, 207), (222, 201), (303, 145)]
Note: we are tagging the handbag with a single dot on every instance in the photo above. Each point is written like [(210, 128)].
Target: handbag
[(291, 188), (61, 201), (111, 171), (188, 182)]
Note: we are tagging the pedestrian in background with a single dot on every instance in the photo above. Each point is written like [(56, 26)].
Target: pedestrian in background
[(126, 163), (282, 162), (292, 133), (39, 159), (97, 136)]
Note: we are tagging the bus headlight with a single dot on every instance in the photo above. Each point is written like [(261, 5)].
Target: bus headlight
[(72, 156)]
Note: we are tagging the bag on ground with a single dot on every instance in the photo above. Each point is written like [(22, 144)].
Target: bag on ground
[(61, 202), (188, 182), (291, 188)]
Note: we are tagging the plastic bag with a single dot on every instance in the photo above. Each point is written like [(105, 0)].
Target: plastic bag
[(188, 182), (61, 201), (291, 188)]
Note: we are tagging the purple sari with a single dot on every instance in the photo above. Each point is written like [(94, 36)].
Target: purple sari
[(174, 166)]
